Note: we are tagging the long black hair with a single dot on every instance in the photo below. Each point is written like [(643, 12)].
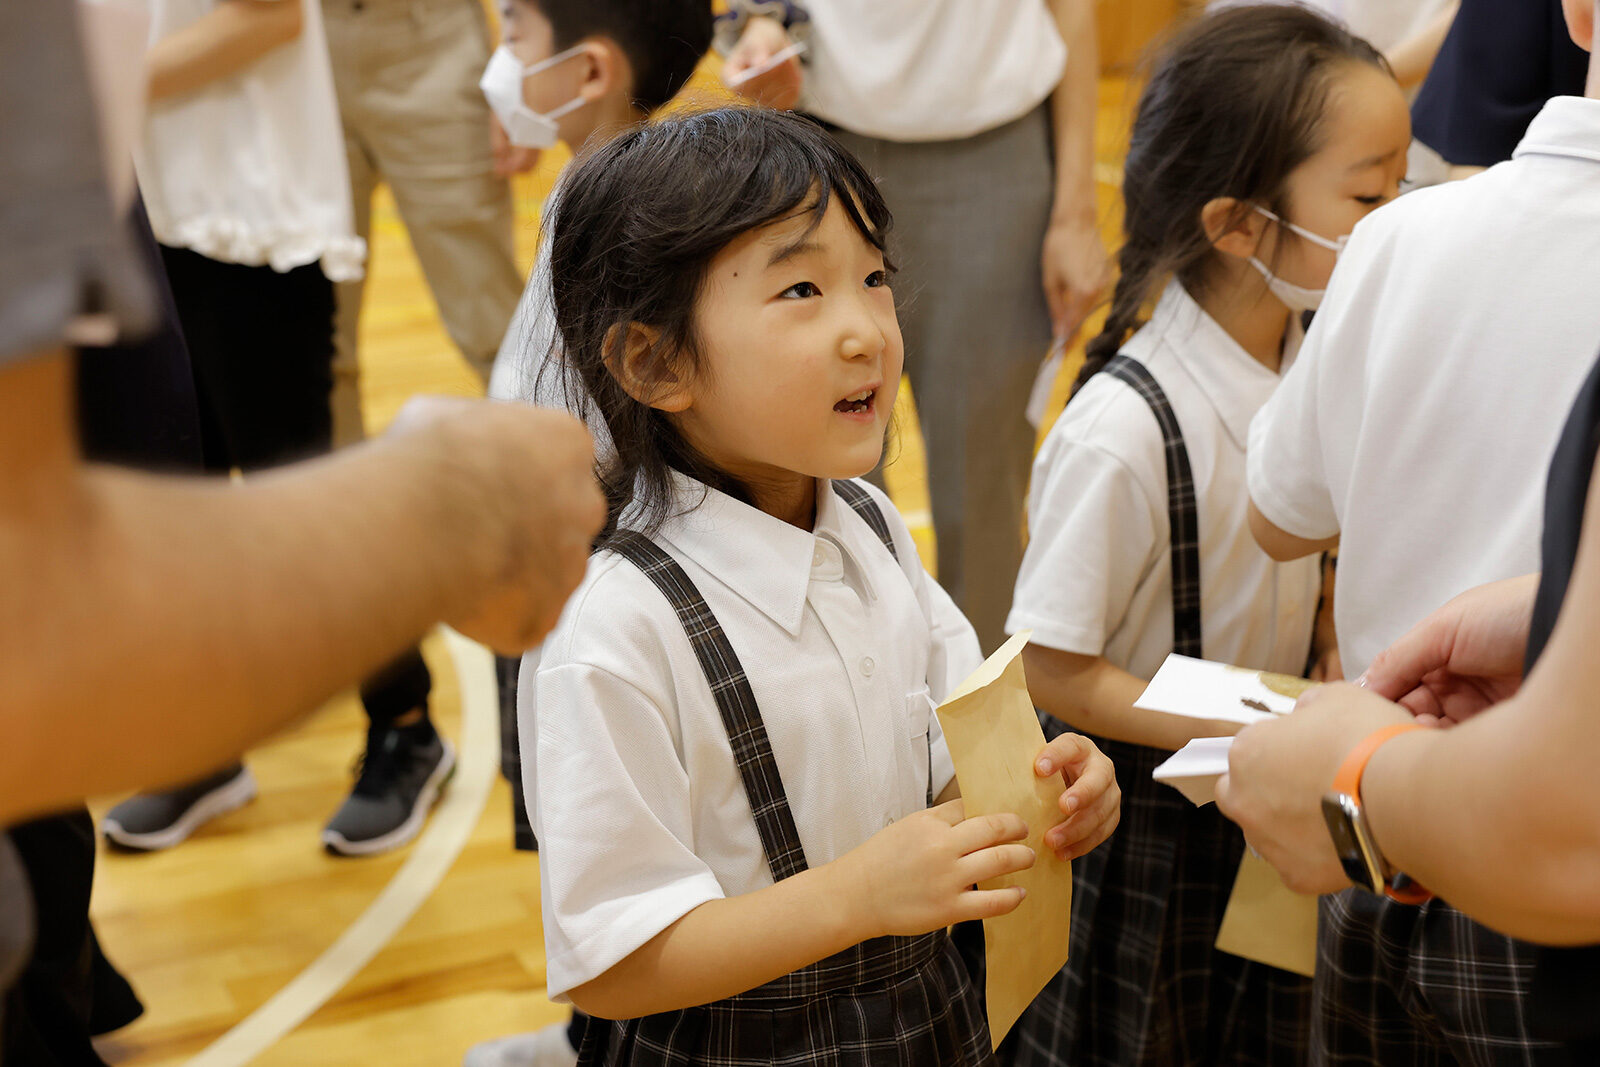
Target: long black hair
[(636, 226), (1235, 103)]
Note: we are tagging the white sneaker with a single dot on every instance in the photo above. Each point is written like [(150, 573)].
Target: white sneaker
[(542, 1048)]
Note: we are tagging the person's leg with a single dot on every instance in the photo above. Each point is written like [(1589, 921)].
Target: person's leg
[(69, 991), (426, 125), (403, 770), (970, 218)]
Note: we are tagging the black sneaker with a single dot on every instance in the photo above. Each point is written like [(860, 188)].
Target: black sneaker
[(152, 821), (401, 775)]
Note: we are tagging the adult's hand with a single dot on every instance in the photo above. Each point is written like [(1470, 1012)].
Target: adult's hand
[(1076, 272), (1279, 770), (509, 159), (1462, 658), (777, 88), (531, 500)]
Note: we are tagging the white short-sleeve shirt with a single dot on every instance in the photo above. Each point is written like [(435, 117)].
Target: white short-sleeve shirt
[(1096, 579), (638, 804), (930, 70), (1422, 413)]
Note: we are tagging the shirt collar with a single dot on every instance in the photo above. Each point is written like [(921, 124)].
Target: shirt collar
[(1565, 126), (1232, 380), (765, 561)]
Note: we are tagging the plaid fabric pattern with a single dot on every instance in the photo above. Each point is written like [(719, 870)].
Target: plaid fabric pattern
[(863, 504), (905, 1001), (898, 1002), (1144, 983), (1422, 986)]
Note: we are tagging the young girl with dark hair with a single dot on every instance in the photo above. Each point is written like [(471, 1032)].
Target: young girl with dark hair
[(735, 761), (1263, 136)]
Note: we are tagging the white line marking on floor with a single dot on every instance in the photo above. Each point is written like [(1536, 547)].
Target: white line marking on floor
[(432, 855)]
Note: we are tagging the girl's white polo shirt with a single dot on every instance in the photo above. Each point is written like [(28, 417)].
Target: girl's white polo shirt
[(1096, 578), (637, 803)]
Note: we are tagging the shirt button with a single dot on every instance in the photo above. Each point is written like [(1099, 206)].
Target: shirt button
[(820, 556), (888, 821), (868, 666)]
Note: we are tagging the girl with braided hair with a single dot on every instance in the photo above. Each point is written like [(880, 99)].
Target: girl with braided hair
[(1265, 134)]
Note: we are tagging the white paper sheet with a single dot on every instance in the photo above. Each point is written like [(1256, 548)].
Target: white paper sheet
[(1193, 770), (1200, 689)]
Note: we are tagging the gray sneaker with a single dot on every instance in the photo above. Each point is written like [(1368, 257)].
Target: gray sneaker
[(153, 821), (401, 775)]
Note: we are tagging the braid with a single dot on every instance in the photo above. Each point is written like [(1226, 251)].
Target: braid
[(1135, 271)]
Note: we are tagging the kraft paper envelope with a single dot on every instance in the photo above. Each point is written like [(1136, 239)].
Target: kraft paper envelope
[(1268, 922), (994, 738)]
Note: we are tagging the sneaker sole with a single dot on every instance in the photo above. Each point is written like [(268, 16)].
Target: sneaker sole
[(340, 845), (232, 796)]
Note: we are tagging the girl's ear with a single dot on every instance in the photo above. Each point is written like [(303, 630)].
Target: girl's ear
[(1232, 227), (634, 356)]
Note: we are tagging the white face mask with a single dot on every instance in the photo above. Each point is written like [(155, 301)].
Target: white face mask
[(1297, 297), (502, 86)]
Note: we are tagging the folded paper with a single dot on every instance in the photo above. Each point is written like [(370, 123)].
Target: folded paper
[(1200, 689), (994, 738), (1193, 770)]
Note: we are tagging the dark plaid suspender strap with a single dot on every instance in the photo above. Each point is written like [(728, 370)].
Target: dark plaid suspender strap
[(752, 751), (859, 499), (1182, 512)]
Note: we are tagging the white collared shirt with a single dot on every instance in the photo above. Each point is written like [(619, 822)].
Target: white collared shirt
[(636, 799), (1420, 419), (1096, 579), (930, 70)]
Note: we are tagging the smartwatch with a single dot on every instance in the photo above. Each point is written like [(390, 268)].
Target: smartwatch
[(1352, 836)]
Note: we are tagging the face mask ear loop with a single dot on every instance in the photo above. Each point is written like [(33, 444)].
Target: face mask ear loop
[(1334, 246)]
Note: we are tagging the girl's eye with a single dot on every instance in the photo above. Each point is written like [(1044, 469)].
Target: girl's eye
[(801, 291), (1371, 201), (877, 279)]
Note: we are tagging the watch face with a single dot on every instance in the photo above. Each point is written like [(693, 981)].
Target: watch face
[(1345, 826)]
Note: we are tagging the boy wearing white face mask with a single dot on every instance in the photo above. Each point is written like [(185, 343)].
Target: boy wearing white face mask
[(578, 72)]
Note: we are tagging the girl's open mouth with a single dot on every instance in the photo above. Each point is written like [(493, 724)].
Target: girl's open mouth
[(859, 404)]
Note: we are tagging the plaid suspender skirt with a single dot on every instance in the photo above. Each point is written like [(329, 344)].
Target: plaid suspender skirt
[(889, 1002), (1144, 983)]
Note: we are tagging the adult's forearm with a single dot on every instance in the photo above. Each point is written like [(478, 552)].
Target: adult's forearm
[(155, 627), (226, 39), (1413, 58), (725, 947), (1073, 108), (1094, 697)]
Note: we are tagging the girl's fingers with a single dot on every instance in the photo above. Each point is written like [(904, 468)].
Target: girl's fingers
[(988, 903), (994, 862), (1094, 781), (1096, 837), (951, 811), (1065, 752), (1073, 830), (985, 831)]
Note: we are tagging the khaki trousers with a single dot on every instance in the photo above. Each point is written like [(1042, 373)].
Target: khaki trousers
[(407, 72)]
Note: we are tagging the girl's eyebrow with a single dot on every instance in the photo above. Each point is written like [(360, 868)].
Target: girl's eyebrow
[(1373, 161), (801, 247)]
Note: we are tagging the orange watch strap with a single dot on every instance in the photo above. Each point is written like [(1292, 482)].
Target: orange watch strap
[(1348, 782)]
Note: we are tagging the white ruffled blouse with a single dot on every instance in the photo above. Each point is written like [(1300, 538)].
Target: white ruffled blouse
[(251, 168)]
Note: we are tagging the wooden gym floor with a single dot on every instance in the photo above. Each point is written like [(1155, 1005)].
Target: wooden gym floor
[(251, 922)]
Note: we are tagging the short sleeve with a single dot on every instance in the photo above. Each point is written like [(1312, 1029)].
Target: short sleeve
[(1093, 531), (614, 823), (62, 255), (1286, 460)]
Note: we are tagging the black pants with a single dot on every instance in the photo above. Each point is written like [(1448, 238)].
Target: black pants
[(261, 343)]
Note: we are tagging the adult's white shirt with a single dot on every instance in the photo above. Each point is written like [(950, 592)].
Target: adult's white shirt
[(1421, 416), (638, 804), (1097, 576), (250, 168), (1385, 23), (929, 70)]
